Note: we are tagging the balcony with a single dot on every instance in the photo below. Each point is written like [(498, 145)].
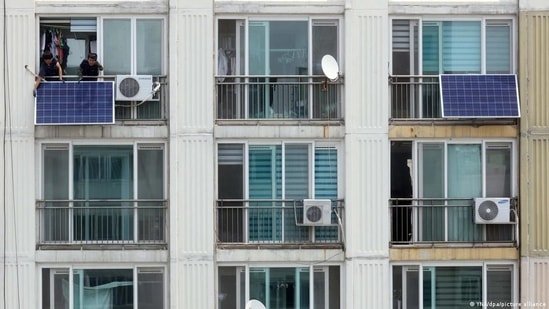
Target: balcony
[(125, 223), (277, 223), (77, 102), (278, 97), (414, 97), (447, 222)]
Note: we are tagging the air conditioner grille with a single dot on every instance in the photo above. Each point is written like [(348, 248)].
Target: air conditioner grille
[(129, 87), (488, 210), (314, 214)]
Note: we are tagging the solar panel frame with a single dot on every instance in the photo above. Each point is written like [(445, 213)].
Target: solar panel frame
[(479, 96), (75, 103)]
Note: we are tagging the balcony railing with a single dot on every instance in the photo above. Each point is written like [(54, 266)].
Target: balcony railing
[(154, 108), (274, 222), (102, 222), (278, 97), (444, 222), (414, 96)]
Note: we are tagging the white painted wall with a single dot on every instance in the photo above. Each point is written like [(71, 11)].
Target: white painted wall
[(17, 214), (191, 55)]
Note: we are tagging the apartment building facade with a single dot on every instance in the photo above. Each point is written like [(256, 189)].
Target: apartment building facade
[(250, 166)]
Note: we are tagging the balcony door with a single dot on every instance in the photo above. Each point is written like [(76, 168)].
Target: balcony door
[(103, 174)]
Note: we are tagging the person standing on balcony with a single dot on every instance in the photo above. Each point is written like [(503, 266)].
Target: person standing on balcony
[(50, 69), (90, 67)]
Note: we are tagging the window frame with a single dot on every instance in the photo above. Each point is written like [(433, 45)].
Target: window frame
[(130, 210), (485, 145), (99, 33), (485, 21), (310, 19), (485, 267), (312, 269), (313, 145), (69, 145), (70, 271)]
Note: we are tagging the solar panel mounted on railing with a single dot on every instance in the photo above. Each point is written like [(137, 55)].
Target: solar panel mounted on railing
[(70, 103), (479, 96)]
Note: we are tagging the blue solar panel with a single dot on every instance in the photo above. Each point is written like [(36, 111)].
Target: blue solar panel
[(479, 96), (60, 103)]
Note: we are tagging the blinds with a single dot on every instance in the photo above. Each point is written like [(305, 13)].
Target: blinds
[(498, 40), (266, 177), (452, 47)]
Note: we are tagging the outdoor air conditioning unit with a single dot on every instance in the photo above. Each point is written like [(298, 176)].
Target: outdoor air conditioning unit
[(134, 87), (317, 212), (493, 210)]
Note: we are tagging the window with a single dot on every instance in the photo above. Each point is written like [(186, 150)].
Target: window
[(422, 49), (103, 193), (279, 58), (124, 45), (452, 46), (280, 287), (445, 177), (138, 288), (279, 177), (429, 286)]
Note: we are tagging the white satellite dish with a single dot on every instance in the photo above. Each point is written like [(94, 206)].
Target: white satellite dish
[(330, 67), (254, 304)]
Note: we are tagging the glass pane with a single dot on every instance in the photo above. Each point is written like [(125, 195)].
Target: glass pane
[(464, 181), (257, 47), (55, 217), (499, 285), (431, 185), (103, 288), (326, 184), (258, 284), (150, 173), (303, 300), (456, 287), (150, 184), (230, 185), (296, 181), (498, 171), (411, 290), (149, 43), (319, 281), (150, 290), (288, 288), (431, 48), (498, 184), (288, 47), (461, 43), (227, 290), (103, 173), (498, 49), (265, 185), (55, 288), (117, 46), (325, 39)]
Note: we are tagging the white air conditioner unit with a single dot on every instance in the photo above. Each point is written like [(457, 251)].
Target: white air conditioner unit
[(317, 212), (134, 87), (493, 210)]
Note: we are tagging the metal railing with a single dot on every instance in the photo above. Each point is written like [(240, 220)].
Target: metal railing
[(276, 222), (414, 96), (278, 97), (445, 221), (104, 222), (154, 108)]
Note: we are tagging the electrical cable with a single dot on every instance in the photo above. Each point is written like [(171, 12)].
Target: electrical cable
[(7, 128)]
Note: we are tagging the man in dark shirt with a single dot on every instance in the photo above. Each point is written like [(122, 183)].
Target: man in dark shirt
[(90, 67), (50, 70)]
